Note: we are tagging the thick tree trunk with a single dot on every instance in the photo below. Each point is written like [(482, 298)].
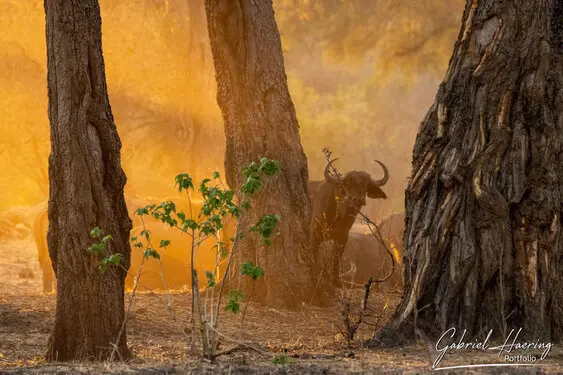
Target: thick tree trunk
[(260, 121), (86, 186), (483, 241)]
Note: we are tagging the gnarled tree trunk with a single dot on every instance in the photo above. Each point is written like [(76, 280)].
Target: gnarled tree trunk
[(260, 121), (483, 240), (86, 186)]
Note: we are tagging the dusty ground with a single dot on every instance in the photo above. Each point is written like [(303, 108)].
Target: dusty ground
[(309, 338)]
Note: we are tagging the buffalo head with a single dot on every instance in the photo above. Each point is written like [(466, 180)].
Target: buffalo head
[(338, 200), (352, 189)]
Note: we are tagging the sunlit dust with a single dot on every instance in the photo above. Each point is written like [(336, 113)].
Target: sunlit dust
[(361, 74), (395, 252)]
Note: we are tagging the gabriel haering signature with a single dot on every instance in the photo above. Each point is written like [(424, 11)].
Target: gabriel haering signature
[(505, 349)]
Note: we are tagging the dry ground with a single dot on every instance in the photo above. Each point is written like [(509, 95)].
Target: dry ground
[(309, 338)]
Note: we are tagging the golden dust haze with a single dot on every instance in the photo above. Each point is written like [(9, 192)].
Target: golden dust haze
[(362, 74)]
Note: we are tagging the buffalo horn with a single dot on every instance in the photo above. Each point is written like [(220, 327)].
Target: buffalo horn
[(385, 177), (330, 178)]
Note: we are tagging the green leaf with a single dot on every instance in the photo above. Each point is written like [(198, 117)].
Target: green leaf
[(103, 267), (168, 206), (265, 227), (232, 306), (151, 253), (216, 220), (269, 167), (172, 222), (234, 210), (134, 238), (252, 185), (96, 232), (142, 211), (191, 224), (184, 182), (207, 229), (107, 238), (204, 182), (210, 279), (252, 270), (250, 170), (233, 301), (114, 259), (146, 233), (216, 175), (164, 243), (281, 360), (97, 248), (228, 195), (206, 210), (223, 251)]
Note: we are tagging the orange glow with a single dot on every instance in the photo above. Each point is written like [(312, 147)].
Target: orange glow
[(395, 252), (348, 90), (361, 82)]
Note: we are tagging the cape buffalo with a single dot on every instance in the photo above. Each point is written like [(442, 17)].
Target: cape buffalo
[(338, 200), (365, 257), (39, 228), (15, 222)]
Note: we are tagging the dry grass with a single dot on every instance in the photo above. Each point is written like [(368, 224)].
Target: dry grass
[(309, 338)]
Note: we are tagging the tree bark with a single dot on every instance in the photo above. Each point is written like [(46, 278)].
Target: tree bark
[(260, 121), (483, 241), (86, 186)]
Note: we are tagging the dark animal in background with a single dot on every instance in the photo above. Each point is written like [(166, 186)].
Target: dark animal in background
[(366, 256), (40, 226), (337, 202), (15, 222)]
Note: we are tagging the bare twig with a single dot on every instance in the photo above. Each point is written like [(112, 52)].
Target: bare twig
[(246, 307), (240, 342), (135, 284), (352, 328)]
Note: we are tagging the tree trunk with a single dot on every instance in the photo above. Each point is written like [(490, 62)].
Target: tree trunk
[(86, 186), (260, 121), (483, 242)]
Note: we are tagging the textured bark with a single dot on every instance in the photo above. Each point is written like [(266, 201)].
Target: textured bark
[(260, 121), (86, 186), (483, 241)]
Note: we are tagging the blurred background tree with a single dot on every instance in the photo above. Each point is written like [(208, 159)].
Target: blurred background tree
[(362, 74)]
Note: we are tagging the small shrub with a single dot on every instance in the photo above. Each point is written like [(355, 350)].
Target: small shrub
[(281, 360), (218, 206)]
